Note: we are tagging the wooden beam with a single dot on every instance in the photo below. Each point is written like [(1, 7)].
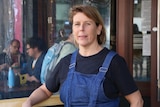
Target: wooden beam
[(124, 27)]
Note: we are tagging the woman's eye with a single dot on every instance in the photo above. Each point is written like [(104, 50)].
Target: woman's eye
[(76, 24), (88, 24)]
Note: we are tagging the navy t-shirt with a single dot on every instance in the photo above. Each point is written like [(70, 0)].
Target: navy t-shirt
[(118, 78)]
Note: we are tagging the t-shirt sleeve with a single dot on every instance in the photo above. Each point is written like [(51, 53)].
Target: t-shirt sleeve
[(52, 81), (121, 77), (58, 75)]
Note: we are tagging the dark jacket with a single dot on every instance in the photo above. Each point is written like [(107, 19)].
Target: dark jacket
[(36, 71), (5, 58)]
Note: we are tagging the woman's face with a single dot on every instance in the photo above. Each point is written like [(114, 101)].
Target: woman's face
[(85, 30)]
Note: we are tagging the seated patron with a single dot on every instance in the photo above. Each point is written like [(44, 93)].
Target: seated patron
[(36, 50), (11, 56)]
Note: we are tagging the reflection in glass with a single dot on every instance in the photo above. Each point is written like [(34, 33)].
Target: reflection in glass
[(141, 40), (32, 20), (137, 52)]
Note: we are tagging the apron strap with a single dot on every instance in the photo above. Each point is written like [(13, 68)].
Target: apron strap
[(73, 61), (107, 61), (70, 75), (99, 78)]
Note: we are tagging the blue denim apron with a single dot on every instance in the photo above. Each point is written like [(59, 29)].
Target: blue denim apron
[(86, 90)]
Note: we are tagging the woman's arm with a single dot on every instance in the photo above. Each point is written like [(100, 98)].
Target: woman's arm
[(39, 95), (135, 99)]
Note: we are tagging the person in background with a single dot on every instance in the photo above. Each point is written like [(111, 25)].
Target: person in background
[(66, 38), (137, 52), (56, 53), (82, 80), (36, 50), (12, 57), (68, 47)]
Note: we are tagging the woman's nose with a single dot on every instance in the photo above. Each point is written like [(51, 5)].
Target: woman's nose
[(82, 27)]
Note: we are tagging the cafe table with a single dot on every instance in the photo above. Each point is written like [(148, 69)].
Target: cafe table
[(17, 91), (15, 96)]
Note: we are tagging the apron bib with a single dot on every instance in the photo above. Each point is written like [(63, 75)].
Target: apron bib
[(86, 90)]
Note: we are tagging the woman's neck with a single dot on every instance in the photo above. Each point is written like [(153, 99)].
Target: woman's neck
[(91, 50)]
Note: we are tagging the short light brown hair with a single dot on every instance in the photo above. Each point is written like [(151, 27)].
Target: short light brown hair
[(92, 13)]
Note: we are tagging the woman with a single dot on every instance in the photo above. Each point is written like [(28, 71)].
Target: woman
[(83, 88)]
